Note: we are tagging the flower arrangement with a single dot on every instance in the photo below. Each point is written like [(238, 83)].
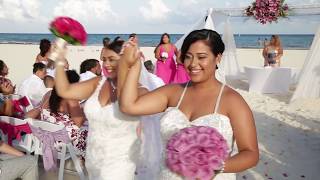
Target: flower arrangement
[(164, 56), (69, 29), (267, 10), (196, 152)]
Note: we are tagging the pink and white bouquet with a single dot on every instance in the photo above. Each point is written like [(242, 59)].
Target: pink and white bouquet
[(196, 152), (164, 56), (267, 10), (69, 29)]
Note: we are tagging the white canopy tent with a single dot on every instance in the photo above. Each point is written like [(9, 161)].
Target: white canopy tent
[(229, 65), (309, 81)]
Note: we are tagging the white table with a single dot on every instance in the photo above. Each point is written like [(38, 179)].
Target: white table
[(268, 79)]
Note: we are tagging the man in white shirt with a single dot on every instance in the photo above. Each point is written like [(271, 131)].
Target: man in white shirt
[(33, 87), (89, 68)]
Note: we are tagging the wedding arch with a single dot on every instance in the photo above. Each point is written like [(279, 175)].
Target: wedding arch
[(229, 65), (308, 85)]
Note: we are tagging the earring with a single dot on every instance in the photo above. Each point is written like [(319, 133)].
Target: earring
[(217, 65)]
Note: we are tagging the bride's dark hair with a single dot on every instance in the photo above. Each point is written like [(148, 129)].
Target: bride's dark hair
[(116, 45), (211, 38)]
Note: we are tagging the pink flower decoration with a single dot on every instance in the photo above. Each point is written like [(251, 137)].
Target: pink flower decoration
[(267, 10), (195, 152), (69, 29)]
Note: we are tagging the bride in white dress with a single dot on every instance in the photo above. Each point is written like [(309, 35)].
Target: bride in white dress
[(204, 101), (112, 135)]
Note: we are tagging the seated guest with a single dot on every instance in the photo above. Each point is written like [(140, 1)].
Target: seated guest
[(149, 66), (33, 87), (57, 110), (50, 68), (6, 106), (48, 82), (105, 43), (89, 68), (4, 71), (42, 57), (15, 165), (273, 52)]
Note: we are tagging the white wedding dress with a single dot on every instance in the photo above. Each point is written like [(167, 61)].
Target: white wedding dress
[(174, 120), (112, 140)]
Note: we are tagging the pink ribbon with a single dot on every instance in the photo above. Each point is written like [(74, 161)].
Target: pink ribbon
[(14, 132), (24, 102)]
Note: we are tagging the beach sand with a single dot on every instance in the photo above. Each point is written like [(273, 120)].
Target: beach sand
[(288, 133)]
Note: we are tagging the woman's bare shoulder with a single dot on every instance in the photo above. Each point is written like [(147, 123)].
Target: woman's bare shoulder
[(232, 97)]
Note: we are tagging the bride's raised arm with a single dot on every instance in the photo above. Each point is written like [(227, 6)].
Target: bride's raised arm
[(128, 77), (76, 91)]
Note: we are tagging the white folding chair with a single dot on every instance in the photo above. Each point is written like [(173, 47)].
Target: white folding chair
[(17, 97), (66, 152), (25, 144)]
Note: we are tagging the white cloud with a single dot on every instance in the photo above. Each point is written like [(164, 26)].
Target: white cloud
[(156, 10), (86, 10), (19, 10)]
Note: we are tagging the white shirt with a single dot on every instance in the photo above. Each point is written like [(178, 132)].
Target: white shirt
[(87, 75), (34, 88), (51, 72)]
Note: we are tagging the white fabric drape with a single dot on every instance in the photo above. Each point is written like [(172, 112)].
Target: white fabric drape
[(229, 63), (151, 147), (309, 81)]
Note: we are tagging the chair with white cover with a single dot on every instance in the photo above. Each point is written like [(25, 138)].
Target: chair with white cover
[(25, 144), (268, 79), (67, 149)]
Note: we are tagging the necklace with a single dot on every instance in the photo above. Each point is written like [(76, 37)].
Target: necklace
[(113, 86)]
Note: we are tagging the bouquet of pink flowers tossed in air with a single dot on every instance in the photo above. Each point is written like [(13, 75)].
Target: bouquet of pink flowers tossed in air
[(67, 30), (196, 152)]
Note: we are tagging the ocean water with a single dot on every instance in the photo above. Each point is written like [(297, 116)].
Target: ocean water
[(295, 41)]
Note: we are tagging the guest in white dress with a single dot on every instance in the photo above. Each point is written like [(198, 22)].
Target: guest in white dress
[(203, 101), (33, 87), (89, 69), (112, 139)]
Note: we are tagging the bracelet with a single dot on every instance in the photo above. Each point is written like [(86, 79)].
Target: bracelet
[(220, 170), (60, 63)]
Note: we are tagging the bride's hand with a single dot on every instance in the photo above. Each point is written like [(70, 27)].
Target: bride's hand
[(58, 54), (130, 53)]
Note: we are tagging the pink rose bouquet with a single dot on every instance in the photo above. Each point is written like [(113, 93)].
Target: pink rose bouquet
[(69, 29), (267, 10), (196, 152)]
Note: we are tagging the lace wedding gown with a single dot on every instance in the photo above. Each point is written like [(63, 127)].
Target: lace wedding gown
[(111, 142), (174, 120)]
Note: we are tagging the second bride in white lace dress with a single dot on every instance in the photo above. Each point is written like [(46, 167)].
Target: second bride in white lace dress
[(204, 101), (112, 135)]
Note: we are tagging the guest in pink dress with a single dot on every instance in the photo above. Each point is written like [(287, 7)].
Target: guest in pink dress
[(164, 53), (181, 73)]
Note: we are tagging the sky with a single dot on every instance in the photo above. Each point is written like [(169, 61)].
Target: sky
[(141, 16)]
